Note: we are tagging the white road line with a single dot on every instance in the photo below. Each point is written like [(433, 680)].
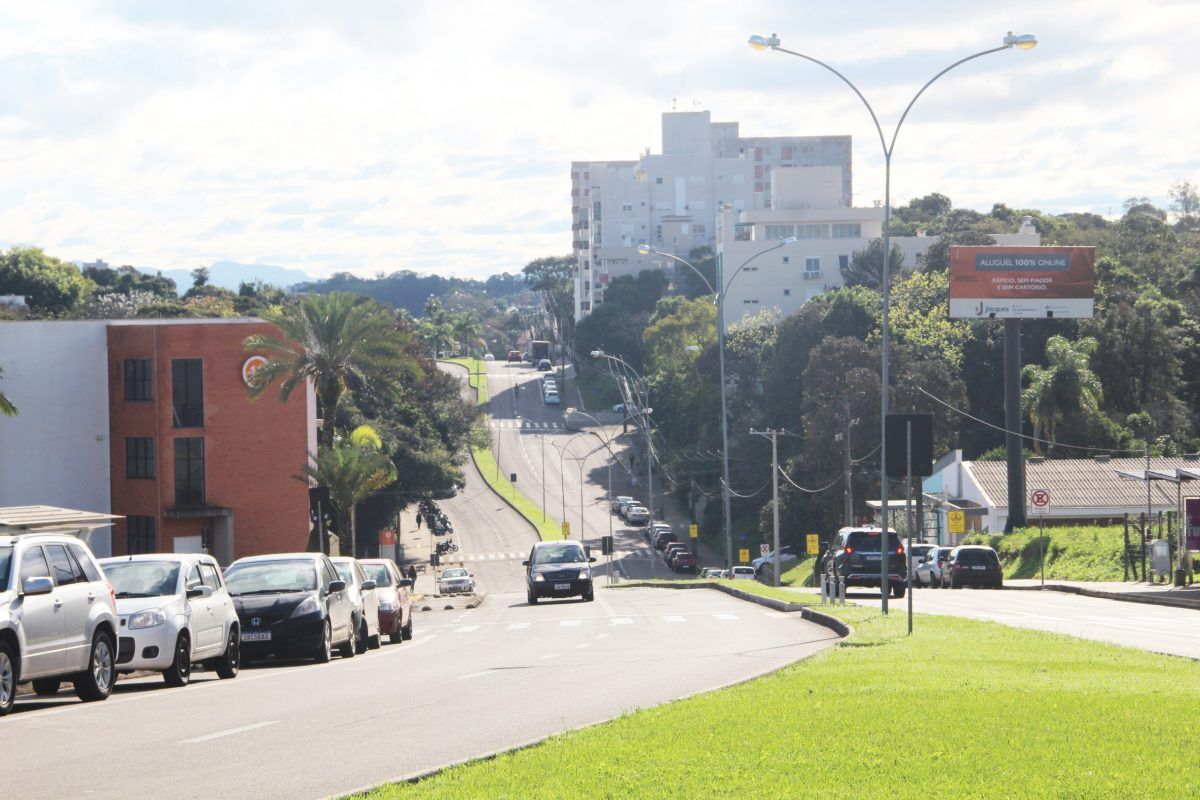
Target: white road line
[(517, 626), (603, 635), (725, 616), (581, 646), (621, 621), (551, 655), (230, 732), (774, 614), (474, 675), (569, 623), (674, 618), (466, 629)]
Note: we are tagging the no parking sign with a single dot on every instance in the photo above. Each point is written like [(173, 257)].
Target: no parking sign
[(1039, 501)]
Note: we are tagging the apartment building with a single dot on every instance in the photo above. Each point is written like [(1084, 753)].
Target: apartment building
[(671, 200)]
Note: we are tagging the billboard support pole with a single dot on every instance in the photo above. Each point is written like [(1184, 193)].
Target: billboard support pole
[(1012, 421)]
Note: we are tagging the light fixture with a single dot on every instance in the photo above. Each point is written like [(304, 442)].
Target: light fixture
[(788, 240), (643, 250), (1026, 41), (760, 43)]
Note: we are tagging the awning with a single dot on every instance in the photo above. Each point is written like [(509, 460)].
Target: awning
[(51, 519)]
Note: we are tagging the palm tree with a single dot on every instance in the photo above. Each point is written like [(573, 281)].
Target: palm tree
[(1065, 385), (352, 470), (7, 408), (466, 328), (332, 340), (437, 327)]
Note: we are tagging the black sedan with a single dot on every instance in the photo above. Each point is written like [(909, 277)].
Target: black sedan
[(972, 565), (558, 569), (291, 606)]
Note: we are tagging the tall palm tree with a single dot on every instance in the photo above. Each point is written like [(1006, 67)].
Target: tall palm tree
[(437, 327), (1065, 385), (467, 329), (7, 408), (332, 340), (352, 470)]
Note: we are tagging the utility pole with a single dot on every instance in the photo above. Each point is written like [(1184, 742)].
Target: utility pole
[(774, 434), (847, 466)]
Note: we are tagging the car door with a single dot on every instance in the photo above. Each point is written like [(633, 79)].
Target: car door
[(76, 595), (370, 601), (220, 609), (42, 620), (338, 603), (200, 618)]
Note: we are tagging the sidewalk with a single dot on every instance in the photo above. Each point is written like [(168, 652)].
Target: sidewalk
[(415, 545), (1153, 593)]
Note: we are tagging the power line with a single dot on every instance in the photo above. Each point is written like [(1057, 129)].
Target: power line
[(832, 483)]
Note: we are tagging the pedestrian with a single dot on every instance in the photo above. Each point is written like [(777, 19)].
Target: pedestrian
[(418, 520), (412, 573)]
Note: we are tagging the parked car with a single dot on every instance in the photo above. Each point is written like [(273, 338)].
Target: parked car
[(551, 398), (624, 506), (544, 365), (664, 538), (973, 565), (395, 600), (58, 618), (456, 580), (741, 573), (488, 357), (684, 562), (711, 572), (616, 502), (855, 555), (671, 549), (619, 408), (929, 571), (916, 555), (637, 515), (515, 355), (173, 610), (363, 600), (292, 605), (768, 561), (558, 569)]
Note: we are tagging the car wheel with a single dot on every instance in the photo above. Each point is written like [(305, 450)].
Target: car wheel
[(8, 678), (898, 590), (96, 682), (375, 642), (589, 595), (231, 661), (361, 639), (180, 671), (325, 654), (406, 631), (350, 647), (531, 597), (46, 687)]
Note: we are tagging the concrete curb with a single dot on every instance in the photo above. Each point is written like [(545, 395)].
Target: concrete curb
[(1128, 597), (807, 612)]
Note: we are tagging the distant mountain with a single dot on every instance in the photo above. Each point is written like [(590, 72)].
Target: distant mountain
[(230, 274)]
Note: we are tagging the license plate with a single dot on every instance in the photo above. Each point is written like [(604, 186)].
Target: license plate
[(873, 558), (562, 587), (979, 568), (256, 636)]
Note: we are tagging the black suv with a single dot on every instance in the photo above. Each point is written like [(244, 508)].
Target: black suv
[(855, 555), (973, 565), (558, 569)]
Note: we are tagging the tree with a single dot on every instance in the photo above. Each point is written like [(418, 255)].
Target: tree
[(1186, 205), (200, 276), (866, 266), (352, 470), (127, 280), (553, 279), (937, 257), (466, 329), (50, 286), (690, 284), (336, 341), (1066, 387), (7, 407)]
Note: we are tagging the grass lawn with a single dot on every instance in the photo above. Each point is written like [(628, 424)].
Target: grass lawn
[(1072, 553), (960, 709), (547, 526), (598, 390)]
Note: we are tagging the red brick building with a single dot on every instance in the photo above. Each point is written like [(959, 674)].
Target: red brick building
[(195, 464)]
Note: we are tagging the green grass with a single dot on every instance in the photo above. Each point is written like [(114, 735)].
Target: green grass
[(1072, 553), (599, 391), (1014, 713), (547, 526), (798, 573)]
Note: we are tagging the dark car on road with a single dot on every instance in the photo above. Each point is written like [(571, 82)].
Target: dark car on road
[(671, 550), (684, 562), (395, 602), (855, 555), (558, 569), (973, 565), (664, 538), (291, 606)]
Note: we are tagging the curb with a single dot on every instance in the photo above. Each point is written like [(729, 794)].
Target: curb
[(1127, 597), (833, 623)]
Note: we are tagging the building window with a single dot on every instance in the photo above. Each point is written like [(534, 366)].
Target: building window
[(847, 230), (698, 230), (596, 210), (189, 472), (812, 264), (139, 380), (658, 181), (626, 207), (780, 231), (812, 231), (139, 457), (187, 392), (843, 262), (749, 302), (139, 535), (787, 259), (787, 292)]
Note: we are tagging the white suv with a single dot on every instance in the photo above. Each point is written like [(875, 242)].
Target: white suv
[(58, 618), (174, 611)]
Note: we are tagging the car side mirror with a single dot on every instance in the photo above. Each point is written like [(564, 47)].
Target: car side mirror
[(368, 585), (38, 585), (524, 563), (337, 586), (406, 583), (592, 559), (199, 591)]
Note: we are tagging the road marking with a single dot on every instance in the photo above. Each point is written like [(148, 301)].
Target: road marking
[(603, 635), (774, 614), (581, 646), (621, 621), (517, 626), (229, 732), (474, 675), (551, 655), (466, 629), (725, 616), (674, 618), (569, 623)]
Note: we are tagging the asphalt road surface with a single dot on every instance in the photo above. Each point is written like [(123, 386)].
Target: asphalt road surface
[(1161, 629), (469, 683)]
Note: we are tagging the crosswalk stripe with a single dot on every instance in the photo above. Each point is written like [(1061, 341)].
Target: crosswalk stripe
[(621, 621), (518, 626), (466, 629), (569, 623), (674, 618), (725, 616)]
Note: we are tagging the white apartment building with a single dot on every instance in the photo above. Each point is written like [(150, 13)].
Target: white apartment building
[(671, 200), (808, 206)]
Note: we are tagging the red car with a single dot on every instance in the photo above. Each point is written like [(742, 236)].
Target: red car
[(395, 603), (684, 562)]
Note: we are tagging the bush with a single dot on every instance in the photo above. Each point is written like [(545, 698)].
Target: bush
[(1076, 553)]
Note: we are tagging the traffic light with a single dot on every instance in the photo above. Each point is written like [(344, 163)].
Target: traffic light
[(606, 545)]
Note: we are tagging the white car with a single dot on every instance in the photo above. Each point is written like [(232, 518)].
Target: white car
[(488, 357), (364, 601), (742, 573), (615, 505), (768, 561), (174, 611), (637, 515), (551, 398), (456, 581)]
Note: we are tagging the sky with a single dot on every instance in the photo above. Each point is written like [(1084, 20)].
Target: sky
[(437, 136)]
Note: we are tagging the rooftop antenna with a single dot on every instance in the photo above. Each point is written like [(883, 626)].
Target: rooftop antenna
[(672, 103)]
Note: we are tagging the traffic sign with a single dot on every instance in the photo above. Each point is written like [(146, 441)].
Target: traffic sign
[(763, 549), (956, 522), (387, 538), (814, 544), (1039, 501), (694, 531), (566, 529), (743, 555)]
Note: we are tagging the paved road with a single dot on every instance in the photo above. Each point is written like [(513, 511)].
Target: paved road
[(1175, 631), (470, 682)]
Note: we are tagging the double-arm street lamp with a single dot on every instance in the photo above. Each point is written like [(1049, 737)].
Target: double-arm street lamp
[(1022, 42), (720, 301)]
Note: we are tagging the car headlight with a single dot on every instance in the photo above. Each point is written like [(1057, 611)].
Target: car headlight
[(537, 576), (386, 606), (583, 575), (148, 618), (310, 605)]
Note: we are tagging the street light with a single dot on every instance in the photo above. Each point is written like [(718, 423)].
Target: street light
[(641, 411), (1025, 41), (720, 300)]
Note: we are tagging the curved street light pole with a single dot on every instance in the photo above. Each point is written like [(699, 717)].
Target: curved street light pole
[(1023, 42), (641, 414), (720, 300)]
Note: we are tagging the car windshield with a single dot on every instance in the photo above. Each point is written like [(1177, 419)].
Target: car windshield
[(868, 541), (378, 573), (454, 573), (344, 572), (559, 554), (981, 558), (142, 578), (271, 577), (5, 563), (920, 552)]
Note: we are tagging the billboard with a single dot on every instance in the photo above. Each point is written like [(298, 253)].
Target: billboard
[(1022, 282)]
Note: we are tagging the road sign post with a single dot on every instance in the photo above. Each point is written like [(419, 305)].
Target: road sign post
[(1039, 501), (566, 529), (813, 544), (956, 522), (743, 555)]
